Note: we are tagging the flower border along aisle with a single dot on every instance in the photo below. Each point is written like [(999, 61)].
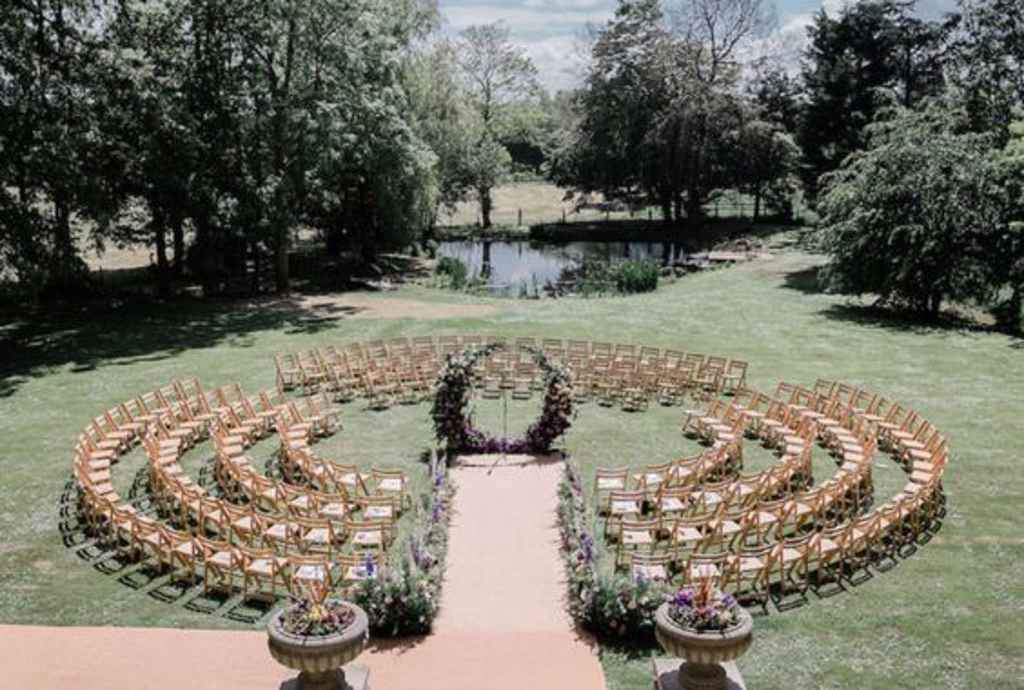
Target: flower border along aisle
[(453, 426)]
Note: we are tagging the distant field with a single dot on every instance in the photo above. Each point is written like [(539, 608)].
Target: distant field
[(543, 202), (538, 202)]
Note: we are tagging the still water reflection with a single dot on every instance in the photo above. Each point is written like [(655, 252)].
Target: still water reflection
[(512, 266)]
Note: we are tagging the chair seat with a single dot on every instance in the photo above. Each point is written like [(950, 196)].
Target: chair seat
[(279, 531), (637, 537), (789, 555), (102, 477), (729, 527), (800, 508), (310, 573), (688, 534), (658, 573), (749, 563), (390, 484), (671, 504), (187, 548), (265, 566), (711, 498), (609, 483), (703, 571), (368, 537), (336, 510), (221, 558), (826, 545), (378, 512), (625, 507), (317, 535)]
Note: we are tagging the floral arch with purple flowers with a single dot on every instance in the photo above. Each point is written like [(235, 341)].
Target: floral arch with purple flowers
[(453, 426)]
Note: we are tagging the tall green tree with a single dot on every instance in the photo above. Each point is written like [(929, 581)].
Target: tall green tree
[(496, 72), (1008, 254), (989, 61), (868, 57), (768, 161), (617, 107), (915, 218), (47, 48)]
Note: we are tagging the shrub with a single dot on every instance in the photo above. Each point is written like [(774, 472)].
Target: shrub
[(455, 270), (609, 605), (636, 276), (403, 600)]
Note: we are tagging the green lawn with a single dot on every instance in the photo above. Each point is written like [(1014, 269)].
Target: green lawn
[(946, 617)]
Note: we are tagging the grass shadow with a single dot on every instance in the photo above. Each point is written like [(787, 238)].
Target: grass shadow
[(875, 316), (84, 338), (804, 280)]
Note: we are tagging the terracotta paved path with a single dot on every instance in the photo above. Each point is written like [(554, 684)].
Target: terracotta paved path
[(502, 626)]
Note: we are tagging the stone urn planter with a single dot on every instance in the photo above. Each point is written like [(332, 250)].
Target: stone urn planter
[(703, 652), (319, 658)]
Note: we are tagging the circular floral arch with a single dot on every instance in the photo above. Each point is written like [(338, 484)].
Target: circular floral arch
[(453, 426)]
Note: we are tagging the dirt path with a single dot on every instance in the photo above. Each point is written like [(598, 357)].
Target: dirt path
[(502, 626)]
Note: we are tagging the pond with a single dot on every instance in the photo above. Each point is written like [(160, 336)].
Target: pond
[(512, 267)]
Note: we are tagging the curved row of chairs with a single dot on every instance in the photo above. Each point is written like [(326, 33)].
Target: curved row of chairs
[(403, 370), (765, 539), (272, 535)]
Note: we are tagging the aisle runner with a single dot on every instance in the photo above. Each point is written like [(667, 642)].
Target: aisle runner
[(503, 624)]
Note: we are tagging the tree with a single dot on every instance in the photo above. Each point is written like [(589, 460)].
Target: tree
[(914, 218), (716, 31), (1008, 254), (988, 68), (776, 96), (443, 117), (604, 149), (768, 160), (46, 197), (871, 56), (495, 72)]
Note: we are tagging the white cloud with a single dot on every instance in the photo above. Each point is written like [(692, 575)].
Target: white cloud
[(548, 29), (524, 21), (558, 59)]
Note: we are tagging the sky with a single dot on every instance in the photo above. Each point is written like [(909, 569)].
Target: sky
[(549, 30)]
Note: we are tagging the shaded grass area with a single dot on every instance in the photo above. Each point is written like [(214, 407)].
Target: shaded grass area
[(947, 617)]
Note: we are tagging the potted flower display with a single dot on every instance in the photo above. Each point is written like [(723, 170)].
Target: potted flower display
[(706, 628), (316, 636)]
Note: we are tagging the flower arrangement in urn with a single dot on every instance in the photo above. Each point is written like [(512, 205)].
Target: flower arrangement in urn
[(315, 615), (318, 635), (704, 609), (706, 628)]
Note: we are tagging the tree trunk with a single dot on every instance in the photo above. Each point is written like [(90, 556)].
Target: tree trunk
[(64, 246), (1011, 318), (282, 279), (207, 256), (178, 232), (163, 269), (485, 207), (757, 204), (254, 249), (485, 266), (694, 213), (677, 207)]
